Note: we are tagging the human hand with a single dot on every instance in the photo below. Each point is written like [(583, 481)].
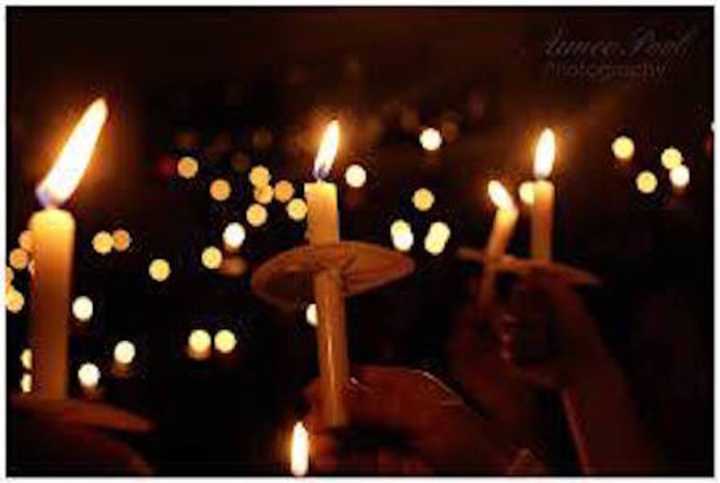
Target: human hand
[(424, 425)]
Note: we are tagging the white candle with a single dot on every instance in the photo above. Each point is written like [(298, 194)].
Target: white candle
[(505, 219), (324, 228), (53, 232), (544, 198)]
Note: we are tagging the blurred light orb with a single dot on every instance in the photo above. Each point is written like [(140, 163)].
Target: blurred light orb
[(199, 343), (14, 300), (264, 194), (680, 176), (256, 215), (403, 240), (26, 358), (89, 375), (225, 341), (121, 239), (400, 226), (19, 259), (436, 238), (159, 270), (527, 192), (220, 189), (26, 383), (103, 242), (646, 182), (9, 276), (25, 240), (124, 352), (623, 148), (297, 209), (234, 235), (671, 158), (311, 315), (259, 176), (430, 139), (423, 199), (82, 308), (355, 176), (187, 167), (284, 191), (211, 258)]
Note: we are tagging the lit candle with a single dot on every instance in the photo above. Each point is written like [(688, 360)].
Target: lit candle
[(544, 197), (53, 232), (324, 228), (299, 450), (505, 219)]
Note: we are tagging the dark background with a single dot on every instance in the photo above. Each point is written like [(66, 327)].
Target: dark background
[(204, 81)]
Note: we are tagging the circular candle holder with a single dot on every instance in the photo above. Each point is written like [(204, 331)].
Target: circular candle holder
[(286, 279), (81, 413), (523, 266)]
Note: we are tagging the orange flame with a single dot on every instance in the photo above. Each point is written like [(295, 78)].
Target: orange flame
[(300, 450), (74, 158), (499, 195), (328, 149), (545, 154)]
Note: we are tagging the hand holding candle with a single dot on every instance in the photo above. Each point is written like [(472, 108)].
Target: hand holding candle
[(53, 231), (324, 228), (544, 198)]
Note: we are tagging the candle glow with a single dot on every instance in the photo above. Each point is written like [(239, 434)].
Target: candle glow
[(299, 450), (328, 149), (544, 154)]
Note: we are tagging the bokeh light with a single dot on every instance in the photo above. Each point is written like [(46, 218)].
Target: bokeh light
[(225, 341), (234, 235), (82, 308), (259, 176), (355, 176), (284, 191), (19, 259), (26, 242), (9, 276), (103, 242), (399, 226), (623, 148), (646, 182), (26, 358), (297, 209), (187, 167), (402, 235), (159, 270), (256, 215), (220, 189), (680, 176), (423, 199), (124, 352), (430, 139), (121, 239), (526, 191), (26, 383), (311, 316), (14, 300), (89, 375), (212, 258), (671, 158), (437, 237), (199, 343), (264, 194)]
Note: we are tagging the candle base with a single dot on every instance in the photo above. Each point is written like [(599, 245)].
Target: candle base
[(286, 280)]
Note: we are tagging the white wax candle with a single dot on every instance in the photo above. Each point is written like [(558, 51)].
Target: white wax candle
[(54, 233), (542, 220)]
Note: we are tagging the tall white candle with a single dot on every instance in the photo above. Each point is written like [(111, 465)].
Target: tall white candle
[(324, 228), (53, 232), (505, 219), (544, 198)]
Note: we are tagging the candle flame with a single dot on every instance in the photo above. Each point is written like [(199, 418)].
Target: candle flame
[(70, 165), (499, 195), (545, 154), (328, 149), (300, 450)]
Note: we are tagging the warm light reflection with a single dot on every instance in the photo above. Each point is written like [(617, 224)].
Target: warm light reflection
[(199, 343), (26, 358), (297, 209), (256, 215), (499, 195), (26, 383), (423, 199), (187, 167), (159, 270), (671, 158), (121, 239), (299, 450), (19, 259), (544, 154), (264, 194), (399, 226), (623, 148), (284, 191), (437, 237), (89, 375), (234, 235), (124, 352), (430, 139), (646, 182), (527, 192), (311, 315), (103, 242), (220, 189), (327, 151), (680, 176), (82, 308), (74, 158), (259, 176), (211, 258), (225, 341), (355, 176), (14, 300)]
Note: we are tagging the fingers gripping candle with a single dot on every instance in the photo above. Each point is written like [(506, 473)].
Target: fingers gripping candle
[(544, 198), (53, 231), (324, 228)]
